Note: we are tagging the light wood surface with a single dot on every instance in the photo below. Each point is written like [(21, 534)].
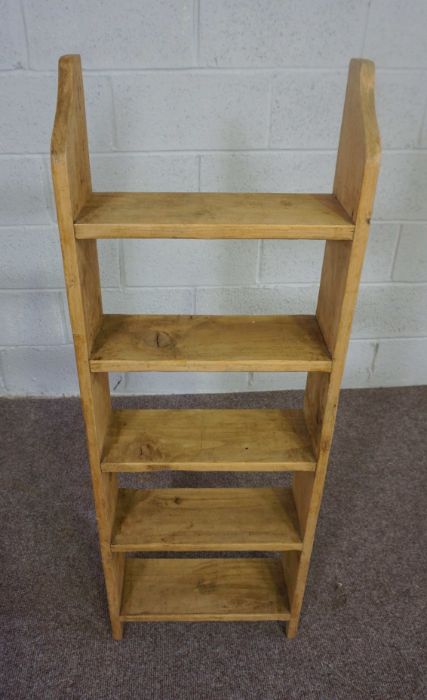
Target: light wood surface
[(212, 215), (359, 151), (302, 489), (72, 186), (355, 184), (208, 440), (69, 146), (209, 343), (204, 589), (209, 519), (291, 562)]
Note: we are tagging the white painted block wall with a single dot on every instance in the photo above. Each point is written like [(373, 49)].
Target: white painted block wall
[(233, 95)]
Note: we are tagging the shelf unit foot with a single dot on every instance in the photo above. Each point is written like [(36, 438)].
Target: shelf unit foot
[(291, 628), (117, 630)]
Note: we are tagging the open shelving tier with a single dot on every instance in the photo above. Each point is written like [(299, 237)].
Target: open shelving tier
[(275, 524)]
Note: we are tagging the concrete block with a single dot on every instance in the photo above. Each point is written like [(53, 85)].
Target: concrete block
[(400, 102), (401, 362), (423, 135), (256, 300), (395, 34), (23, 198), (189, 262), (160, 300), (380, 252), (185, 382), (34, 371), (276, 381), (359, 364), (280, 32), (149, 173), (13, 54), (306, 109), (162, 111), (31, 259), (402, 187), (391, 310), (290, 261), (28, 318), (109, 34), (411, 257), (117, 381), (28, 108), (109, 262), (289, 171)]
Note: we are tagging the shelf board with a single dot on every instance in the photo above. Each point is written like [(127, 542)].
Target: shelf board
[(204, 589), (127, 343), (207, 440), (208, 519), (212, 215)]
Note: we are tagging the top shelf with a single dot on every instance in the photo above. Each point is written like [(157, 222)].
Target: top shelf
[(212, 215)]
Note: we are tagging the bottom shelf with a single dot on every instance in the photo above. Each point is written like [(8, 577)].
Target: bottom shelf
[(204, 589)]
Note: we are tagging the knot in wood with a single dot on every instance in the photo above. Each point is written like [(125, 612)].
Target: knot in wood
[(161, 339)]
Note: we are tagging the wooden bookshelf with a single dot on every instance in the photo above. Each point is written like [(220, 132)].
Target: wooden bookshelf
[(278, 523)]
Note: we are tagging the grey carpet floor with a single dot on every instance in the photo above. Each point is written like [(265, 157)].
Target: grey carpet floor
[(362, 633)]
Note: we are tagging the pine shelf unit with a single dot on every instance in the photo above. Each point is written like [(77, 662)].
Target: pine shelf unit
[(280, 523)]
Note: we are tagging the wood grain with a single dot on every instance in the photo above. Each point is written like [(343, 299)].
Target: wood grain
[(209, 519), (212, 215), (355, 182), (69, 145), (291, 563), (208, 440), (72, 186), (359, 150), (204, 589), (209, 343)]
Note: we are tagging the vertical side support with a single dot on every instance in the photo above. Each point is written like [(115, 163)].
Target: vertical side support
[(354, 186), (72, 185)]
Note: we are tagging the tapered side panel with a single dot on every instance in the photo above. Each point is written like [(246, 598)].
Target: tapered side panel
[(354, 186), (359, 149), (72, 186), (69, 135)]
